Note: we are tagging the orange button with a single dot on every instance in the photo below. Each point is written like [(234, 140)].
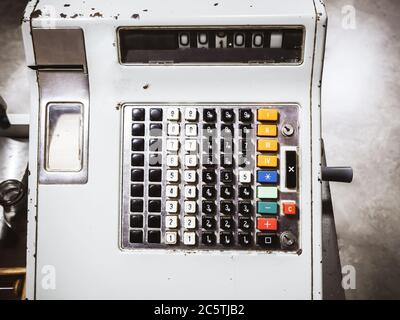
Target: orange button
[(267, 130), (270, 224), (289, 208), (264, 161), (267, 115), (267, 145)]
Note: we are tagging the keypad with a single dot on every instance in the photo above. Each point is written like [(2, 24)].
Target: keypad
[(210, 177)]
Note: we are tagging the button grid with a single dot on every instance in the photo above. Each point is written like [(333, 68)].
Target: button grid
[(211, 230)]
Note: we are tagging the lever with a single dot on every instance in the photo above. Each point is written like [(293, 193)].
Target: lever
[(337, 174), (4, 122)]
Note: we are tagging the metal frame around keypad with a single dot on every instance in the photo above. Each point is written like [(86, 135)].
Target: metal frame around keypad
[(287, 113)]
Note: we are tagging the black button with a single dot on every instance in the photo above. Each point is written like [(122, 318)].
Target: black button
[(244, 160), (137, 160), (136, 190), (226, 176), (208, 223), (208, 238), (209, 115), (209, 130), (138, 114), (155, 190), (154, 221), (209, 176), (138, 129), (227, 131), (209, 207), (155, 175), (226, 223), (209, 145), (209, 160), (136, 205), (246, 146), (267, 240), (246, 115), (154, 236), (226, 238), (245, 223), (138, 144), (227, 115), (227, 192), (226, 145), (209, 192), (245, 192), (245, 239), (155, 160), (154, 206), (227, 207), (136, 236), (137, 175), (291, 169), (245, 130), (155, 145), (136, 221), (156, 129), (245, 208), (156, 114), (227, 160)]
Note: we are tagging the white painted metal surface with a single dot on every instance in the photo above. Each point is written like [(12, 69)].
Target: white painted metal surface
[(74, 229)]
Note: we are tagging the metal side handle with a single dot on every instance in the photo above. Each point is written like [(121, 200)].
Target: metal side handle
[(4, 121), (337, 174)]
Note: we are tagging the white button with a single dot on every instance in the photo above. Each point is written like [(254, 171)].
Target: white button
[(191, 130), (171, 237), (173, 114), (172, 145), (171, 222), (172, 191), (190, 176), (191, 160), (189, 238), (172, 175), (191, 114), (190, 192), (189, 222), (174, 129), (190, 145), (276, 40), (172, 160), (171, 206), (245, 176), (190, 206), (257, 40)]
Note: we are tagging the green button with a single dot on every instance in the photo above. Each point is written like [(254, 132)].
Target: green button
[(267, 192), (267, 207)]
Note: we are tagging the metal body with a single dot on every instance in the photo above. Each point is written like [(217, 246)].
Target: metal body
[(74, 230)]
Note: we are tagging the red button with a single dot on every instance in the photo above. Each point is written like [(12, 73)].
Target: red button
[(289, 208), (269, 224)]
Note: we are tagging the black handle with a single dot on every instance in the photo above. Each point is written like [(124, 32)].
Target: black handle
[(337, 174)]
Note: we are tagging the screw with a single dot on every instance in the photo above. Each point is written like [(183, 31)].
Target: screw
[(287, 239), (287, 130)]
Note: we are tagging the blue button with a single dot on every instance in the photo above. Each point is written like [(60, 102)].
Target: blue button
[(267, 176)]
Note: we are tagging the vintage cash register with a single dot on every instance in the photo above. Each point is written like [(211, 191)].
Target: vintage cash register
[(175, 149)]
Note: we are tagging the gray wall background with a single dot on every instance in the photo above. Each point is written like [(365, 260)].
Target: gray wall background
[(361, 128)]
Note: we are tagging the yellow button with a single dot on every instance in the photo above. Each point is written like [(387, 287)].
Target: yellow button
[(267, 161), (266, 130), (267, 114), (267, 145)]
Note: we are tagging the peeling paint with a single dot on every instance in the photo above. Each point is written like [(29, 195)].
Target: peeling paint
[(67, 5), (36, 14), (63, 15), (216, 4), (74, 16), (145, 10), (146, 86), (135, 16), (96, 15)]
